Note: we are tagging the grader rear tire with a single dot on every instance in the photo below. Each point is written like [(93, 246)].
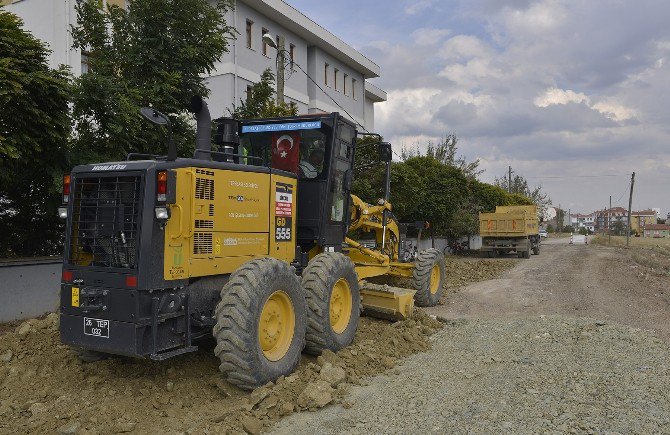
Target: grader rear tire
[(260, 323), (429, 278), (333, 302)]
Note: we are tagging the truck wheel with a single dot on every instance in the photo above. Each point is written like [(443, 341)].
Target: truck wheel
[(429, 278), (260, 323), (524, 254), (536, 250), (89, 356), (333, 302)]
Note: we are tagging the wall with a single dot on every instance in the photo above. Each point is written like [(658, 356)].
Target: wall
[(49, 20), (319, 101), (242, 66), (30, 287)]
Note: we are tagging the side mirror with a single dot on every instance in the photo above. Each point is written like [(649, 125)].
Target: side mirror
[(385, 152)]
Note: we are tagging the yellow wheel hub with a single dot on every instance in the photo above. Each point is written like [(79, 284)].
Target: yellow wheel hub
[(340, 306), (435, 280), (276, 326)]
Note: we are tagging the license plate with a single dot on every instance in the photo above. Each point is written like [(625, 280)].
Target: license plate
[(96, 327), (75, 296)]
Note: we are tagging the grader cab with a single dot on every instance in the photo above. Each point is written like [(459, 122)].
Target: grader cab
[(248, 242)]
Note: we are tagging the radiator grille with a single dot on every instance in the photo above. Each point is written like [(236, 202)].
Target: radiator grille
[(201, 223), (105, 221), (204, 188), (202, 243)]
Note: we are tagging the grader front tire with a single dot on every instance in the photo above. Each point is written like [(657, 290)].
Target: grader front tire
[(333, 302), (429, 278), (260, 323)]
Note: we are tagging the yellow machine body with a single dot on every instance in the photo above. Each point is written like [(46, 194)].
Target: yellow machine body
[(223, 218), (381, 301)]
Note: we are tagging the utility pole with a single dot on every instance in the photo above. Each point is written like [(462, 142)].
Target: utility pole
[(609, 226), (509, 179), (281, 51), (558, 219), (630, 206)]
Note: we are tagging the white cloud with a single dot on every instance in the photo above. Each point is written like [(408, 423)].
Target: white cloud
[(615, 111), (559, 96), (416, 7), (429, 35)]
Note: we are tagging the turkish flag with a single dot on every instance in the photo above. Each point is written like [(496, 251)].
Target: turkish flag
[(286, 151)]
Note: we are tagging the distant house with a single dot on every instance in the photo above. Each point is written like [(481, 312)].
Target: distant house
[(639, 220), (657, 230)]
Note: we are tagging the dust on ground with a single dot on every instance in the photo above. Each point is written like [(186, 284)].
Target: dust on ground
[(45, 388), (464, 271)]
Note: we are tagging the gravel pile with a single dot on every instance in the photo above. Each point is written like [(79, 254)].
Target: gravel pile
[(530, 375)]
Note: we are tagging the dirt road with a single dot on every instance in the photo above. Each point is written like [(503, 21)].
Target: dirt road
[(578, 281), (553, 346)]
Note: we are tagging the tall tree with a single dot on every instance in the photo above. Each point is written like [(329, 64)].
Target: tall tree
[(34, 128), (520, 186), (155, 53), (446, 152), (260, 102)]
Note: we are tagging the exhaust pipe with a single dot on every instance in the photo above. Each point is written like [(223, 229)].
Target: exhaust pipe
[(203, 132)]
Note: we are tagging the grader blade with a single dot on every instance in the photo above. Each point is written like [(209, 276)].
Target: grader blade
[(386, 302)]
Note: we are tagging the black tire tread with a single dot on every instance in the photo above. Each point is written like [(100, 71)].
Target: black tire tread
[(421, 277), (234, 330), (315, 279)]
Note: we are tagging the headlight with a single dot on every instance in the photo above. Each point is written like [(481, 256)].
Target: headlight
[(162, 213), (62, 212)]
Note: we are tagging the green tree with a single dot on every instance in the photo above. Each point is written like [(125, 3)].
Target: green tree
[(619, 228), (260, 102), (155, 53), (520, 186), (34, 128), (446, 152)]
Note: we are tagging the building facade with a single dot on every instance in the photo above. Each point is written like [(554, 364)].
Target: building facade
[(339, 72), (657, 230), (639, 220)]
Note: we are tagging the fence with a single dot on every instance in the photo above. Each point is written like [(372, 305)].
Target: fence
[(29, 287)]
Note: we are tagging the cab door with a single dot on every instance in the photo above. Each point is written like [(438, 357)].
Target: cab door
[(338, 202)]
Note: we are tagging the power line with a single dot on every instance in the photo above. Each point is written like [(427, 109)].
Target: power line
[(578, 176), (338, 105)]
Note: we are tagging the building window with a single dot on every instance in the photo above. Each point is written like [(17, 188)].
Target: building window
[(250, 91), (325, 74), (85, 66), (335, 79), (291, 52), (353, 88), (265, 45), (344, 86), (250, 25)]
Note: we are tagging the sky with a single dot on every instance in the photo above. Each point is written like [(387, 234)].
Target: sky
[(573, 94)]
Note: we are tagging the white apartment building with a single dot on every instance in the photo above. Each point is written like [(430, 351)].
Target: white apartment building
[(337, 68)]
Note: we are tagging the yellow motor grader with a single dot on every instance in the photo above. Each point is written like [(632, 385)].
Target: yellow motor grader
[(248, 241)]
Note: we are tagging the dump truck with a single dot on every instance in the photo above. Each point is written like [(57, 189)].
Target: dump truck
[(510, 229), (250, 241)]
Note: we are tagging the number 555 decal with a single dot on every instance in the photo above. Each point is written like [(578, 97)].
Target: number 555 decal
[(283, 228)]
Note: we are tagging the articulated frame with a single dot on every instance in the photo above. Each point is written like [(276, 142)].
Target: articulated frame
[(383, 260)]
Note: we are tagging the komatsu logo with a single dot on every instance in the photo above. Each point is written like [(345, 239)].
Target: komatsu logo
[(108, 167)]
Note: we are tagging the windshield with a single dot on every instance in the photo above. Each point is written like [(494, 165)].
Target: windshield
[(299, 147)]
